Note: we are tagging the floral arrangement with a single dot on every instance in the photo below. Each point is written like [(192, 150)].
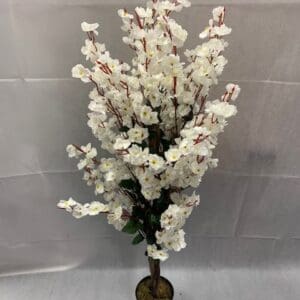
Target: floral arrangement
[(155, 120)]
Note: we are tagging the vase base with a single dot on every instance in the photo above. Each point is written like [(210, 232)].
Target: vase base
[(165, 290)]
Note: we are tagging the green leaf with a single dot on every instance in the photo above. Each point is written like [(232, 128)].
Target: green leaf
[(154, 220), (128, 184), (137, 239), (131, 227)]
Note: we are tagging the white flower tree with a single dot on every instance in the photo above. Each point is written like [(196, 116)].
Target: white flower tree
[(155, 119)]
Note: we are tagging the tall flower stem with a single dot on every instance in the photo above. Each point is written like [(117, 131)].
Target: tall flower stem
[(154, 265)]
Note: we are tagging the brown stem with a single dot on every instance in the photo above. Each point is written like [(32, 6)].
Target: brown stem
[(154, 265), (154, 141)]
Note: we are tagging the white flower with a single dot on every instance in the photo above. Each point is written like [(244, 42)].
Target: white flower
[(90, 153), (186, 146), (118, 212), (218, 14), (222, 30), (184, 3), (204, 34), (67, 204), (179, 35), (98, 107), (198, 168), (162, 6), (192, 133), (143, 13), (213, 163), (106, 164), (72, 151), (221, 109), (193, 200), (90, 50), (86, 27), (147, 116), (208, 30), (110, 176), (201, 149), (212, 48), (205, 73), (147, 179), (96, 207), (115, 218), (233, 90), (99, 187), (172, 240), (121, 143), (82, 163), (155, 162), (80, 211), (124, 14), (137, 134), (184, 201), (172, 154), (173, 217), (136, 155), (79, 71), (157, 254), (151, 193)]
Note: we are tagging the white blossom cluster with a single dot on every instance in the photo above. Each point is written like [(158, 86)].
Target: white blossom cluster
[(155, 118)]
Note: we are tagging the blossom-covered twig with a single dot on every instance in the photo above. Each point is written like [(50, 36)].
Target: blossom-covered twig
[(155, 117)]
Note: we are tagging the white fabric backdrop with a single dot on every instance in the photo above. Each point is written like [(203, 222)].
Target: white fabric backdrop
[(250, 210)]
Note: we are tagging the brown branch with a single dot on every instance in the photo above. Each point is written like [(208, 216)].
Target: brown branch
[(154, 266), (93, 159), (139, 21), (101, 93)]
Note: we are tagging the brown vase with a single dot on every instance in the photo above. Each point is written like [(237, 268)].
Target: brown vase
[(165, 290)]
